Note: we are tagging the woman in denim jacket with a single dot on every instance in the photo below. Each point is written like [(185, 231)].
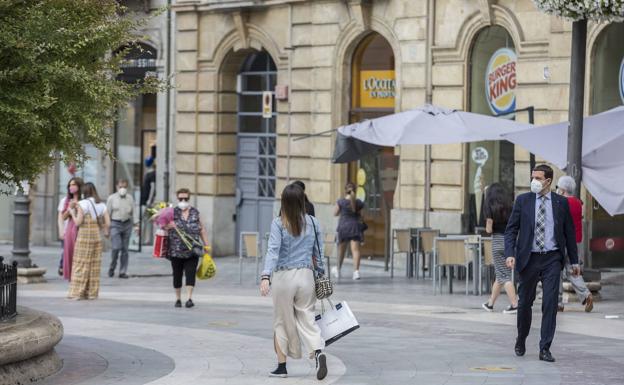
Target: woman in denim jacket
[(289, 271)]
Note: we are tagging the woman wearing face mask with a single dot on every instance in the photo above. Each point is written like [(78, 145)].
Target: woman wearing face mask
[(68, 231), (187, 220)]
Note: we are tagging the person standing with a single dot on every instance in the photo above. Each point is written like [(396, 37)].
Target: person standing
[(349, 229), (539, 233), (68, 231), (188, 222), (496, 209), (294, 251), (309, 207), (566, 186), (148, 194), (120, 207), (92, 219)]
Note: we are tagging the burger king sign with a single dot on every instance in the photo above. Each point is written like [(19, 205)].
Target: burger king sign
[(500, 81)]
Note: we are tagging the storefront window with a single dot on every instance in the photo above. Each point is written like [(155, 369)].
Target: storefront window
[(607, 91), (492, 92)]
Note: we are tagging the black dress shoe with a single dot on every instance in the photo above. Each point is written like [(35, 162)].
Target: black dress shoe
[(520, 348), (123, 276), (189, 303), (178, 303), (111, 273), (545, 355)]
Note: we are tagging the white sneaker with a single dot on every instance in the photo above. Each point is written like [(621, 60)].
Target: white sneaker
[(356, 275), (335, 272)]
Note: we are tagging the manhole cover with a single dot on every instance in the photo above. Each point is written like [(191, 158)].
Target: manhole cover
[(493, 369)]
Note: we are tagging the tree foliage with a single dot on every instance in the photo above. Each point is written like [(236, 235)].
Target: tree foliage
[(58, 83), (597, 10)]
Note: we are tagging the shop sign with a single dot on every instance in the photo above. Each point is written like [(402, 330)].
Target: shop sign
[(480, 156), (622, 80), (377, 89), (500, 81)]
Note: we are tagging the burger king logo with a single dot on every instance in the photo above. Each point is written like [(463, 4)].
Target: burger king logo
[(500, 81), (622, 80)]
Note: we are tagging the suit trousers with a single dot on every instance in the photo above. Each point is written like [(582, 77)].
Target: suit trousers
[(545, 268), (120, 239)]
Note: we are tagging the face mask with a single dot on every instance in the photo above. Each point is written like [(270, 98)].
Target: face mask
[(536, 186), (183, 205), (123, 191), (73, 189)]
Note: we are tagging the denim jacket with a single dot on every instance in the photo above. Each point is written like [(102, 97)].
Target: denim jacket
[(287, 252)]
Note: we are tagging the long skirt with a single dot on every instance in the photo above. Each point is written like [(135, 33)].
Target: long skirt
[(85, 283), (69, 243), (293, 321)]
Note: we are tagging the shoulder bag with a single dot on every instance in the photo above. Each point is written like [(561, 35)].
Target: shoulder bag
[(323, 286), (99, 219)]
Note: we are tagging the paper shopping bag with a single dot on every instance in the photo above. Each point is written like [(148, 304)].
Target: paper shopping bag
[(336, 322)]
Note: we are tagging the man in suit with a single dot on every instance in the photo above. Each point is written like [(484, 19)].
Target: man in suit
[(539, 233)]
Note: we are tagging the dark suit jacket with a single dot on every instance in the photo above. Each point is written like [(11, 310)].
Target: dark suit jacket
[(521, 228)]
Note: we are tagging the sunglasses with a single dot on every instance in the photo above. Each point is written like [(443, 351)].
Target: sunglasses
[(183, 199)]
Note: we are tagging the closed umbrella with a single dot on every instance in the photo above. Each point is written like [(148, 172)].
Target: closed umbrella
[(602, 153)]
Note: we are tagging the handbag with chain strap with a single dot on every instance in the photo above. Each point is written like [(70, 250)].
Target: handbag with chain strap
[(323, 286)]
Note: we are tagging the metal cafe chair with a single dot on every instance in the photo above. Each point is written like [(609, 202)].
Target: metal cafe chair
[(248, 246), (426, 239), (448, 252), (401, 244)]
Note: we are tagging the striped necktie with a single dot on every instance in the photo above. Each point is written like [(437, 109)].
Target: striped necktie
[(540, 224)]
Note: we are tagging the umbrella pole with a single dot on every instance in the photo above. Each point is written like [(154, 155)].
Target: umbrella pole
[(577, 90)]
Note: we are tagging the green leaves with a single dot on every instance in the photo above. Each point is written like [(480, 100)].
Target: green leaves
[(58, 86)]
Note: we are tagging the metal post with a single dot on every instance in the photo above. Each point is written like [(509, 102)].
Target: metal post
[(21, 230), (577, 90), (531, 111)]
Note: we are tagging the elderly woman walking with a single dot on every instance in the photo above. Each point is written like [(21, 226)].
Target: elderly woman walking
[(186, 233), (292, 255), (92, 219)]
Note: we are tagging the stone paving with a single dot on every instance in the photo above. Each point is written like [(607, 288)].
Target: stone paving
[(133, 335)]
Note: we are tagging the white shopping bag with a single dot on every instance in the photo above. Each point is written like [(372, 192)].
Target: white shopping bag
[(336, 322)]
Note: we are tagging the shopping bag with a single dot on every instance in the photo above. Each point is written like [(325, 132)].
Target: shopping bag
[(161, 242), (336, 322), (207, 268)]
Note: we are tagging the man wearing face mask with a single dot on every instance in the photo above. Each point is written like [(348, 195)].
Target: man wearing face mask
[(539, 233), (120, 206)]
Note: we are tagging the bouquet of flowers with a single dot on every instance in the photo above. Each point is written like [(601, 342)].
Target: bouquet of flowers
[(162, 215)]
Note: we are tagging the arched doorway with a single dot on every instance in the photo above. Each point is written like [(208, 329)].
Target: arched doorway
[(606, 92), (256, 144), (373, 95), (492, 73)]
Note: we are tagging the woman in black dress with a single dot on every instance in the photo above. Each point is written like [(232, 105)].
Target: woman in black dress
[(349, 229)]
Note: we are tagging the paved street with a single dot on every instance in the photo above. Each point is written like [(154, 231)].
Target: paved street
[(133, 335)]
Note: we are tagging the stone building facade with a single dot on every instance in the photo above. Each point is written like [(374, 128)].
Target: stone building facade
[(438, 48)]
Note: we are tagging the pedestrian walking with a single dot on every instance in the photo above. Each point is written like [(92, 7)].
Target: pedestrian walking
[(309, 207), (539, 233), (292, 256), (92, 219), (566, 187), (350, 229), (120, 207), (184, 237), (68, 231), (496, 209)]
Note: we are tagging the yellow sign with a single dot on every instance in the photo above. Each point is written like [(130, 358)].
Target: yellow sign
[(377, 89), (361, 177)]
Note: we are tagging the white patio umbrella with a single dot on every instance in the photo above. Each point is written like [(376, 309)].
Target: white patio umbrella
[(602, 153), (430, 125)]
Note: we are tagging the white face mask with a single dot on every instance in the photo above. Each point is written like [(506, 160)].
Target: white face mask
[(183, 205), (122, 191), (536, 186)]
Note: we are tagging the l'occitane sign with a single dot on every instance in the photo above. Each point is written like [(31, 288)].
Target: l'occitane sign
[(377, 89)]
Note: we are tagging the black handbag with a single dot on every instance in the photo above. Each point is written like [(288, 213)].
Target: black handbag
[(323, 286)]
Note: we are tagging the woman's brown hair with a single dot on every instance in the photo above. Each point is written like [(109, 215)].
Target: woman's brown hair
[(89, 191), (293, 209), (350, 189)]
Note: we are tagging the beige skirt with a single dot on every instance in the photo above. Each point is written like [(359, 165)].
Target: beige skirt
[(293, 321)]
